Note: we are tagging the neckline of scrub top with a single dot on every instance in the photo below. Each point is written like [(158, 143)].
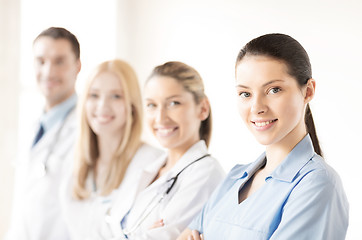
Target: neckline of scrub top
[(288, 169), (251, 168), (300, 155)]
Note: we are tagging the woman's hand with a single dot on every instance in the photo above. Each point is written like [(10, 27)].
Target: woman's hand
[(195, 235), (157, 224), (189, 234)]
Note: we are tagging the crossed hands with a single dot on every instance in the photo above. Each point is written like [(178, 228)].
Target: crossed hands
[(195, 235), (186, 235)]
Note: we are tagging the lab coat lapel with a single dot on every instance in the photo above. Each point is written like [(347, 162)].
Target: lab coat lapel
[(143, 180), (45, 142)]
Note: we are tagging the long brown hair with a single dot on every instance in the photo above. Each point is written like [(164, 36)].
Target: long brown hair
[(192, 82), (87, 150), (291, 52)]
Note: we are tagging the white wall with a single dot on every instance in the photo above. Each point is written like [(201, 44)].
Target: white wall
[(9, 84), (208, 35)]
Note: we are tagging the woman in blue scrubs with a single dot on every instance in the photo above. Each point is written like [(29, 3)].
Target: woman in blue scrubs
[(289, 192)]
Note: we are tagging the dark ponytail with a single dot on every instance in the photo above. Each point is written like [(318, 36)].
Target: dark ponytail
[(308, 118), (290, 51)]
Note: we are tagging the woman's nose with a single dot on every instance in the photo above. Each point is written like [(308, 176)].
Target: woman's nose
[(161, 114), (103, 103), (259, 105)]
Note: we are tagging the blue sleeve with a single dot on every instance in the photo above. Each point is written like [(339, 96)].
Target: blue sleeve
[(197, 222), (317, 208)]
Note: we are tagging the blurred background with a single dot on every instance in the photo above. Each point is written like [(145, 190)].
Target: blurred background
[(207, 35)]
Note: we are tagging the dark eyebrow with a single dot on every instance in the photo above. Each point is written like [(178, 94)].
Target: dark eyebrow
[(272, 81), (264, 85)]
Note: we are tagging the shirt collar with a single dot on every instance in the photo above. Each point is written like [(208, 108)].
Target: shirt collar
[(58, 113), (251, 168), (291, 165), (301, 154)]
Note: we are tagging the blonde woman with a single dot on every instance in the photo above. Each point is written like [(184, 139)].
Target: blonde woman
[(179, 182), (109, 155)]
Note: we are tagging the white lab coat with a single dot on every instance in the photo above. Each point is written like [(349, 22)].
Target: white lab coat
[(193, 187), (36, 213), (85, 218)]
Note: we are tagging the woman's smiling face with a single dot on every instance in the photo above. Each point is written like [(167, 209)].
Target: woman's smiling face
[(270, 101), (105, 106), (172, 113)]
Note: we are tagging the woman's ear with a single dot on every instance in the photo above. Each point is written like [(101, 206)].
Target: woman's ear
[(205, 109), (309, 90)]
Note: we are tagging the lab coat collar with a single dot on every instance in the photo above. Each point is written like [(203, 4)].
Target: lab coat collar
[(49, 137), (154, 167), (196, 151)]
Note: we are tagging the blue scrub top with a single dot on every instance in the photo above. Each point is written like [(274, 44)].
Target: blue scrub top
[(303, 198)]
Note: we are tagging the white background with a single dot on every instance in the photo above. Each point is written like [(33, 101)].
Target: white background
[(208, 35)]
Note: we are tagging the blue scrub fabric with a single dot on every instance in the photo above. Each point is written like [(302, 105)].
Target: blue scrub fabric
[(303, 198)]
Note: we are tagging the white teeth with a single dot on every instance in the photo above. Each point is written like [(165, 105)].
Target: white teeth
[(165, 131), (262, 124)]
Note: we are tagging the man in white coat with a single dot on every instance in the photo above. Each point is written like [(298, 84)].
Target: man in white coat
[(36, 208)]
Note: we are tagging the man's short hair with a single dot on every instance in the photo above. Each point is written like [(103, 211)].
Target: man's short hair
[(62, 33)]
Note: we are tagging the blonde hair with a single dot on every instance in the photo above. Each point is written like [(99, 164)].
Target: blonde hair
[(192, 82), (87, 150)]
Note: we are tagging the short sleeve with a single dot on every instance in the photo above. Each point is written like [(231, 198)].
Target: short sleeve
[(196, 223)]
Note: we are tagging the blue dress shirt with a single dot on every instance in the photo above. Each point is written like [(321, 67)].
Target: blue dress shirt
[(303, 198), (58, 113)]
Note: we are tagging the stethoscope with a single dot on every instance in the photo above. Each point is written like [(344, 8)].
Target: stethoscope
[(156, 200), (42, 168)]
